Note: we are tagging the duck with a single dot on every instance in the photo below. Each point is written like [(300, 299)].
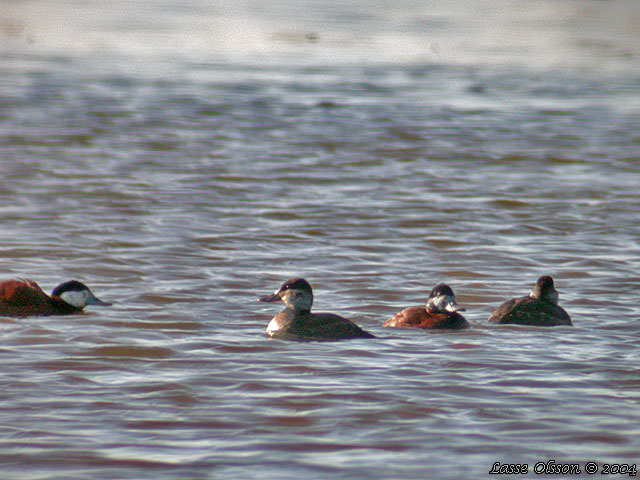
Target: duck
[(296, 322), (539, 308), (440, 312), (24, 298)]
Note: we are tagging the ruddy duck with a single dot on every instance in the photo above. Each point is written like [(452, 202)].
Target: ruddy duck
[(539, 308), (25, 298), (440, 312), (296, 322)]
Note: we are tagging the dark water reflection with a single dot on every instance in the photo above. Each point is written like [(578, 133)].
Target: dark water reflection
[(182, 188)]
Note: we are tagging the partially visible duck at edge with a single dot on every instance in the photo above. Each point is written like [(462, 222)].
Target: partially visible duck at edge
[(539, 308), (296, 322), (440, 312), (25, 298)]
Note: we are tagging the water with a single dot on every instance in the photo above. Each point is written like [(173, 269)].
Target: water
[(184, 159)]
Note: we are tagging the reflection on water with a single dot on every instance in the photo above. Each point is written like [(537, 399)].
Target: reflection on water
[(371, 148)]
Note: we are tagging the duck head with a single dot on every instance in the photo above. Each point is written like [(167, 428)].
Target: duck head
[(441, 299), (545, 290), (295, 293), (77, 294)]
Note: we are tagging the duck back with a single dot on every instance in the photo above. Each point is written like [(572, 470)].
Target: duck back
[(419, 317), (314, 327), (25, 298), (530, 311)]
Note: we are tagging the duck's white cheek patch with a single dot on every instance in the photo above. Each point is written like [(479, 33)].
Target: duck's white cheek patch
[(76, 298), (440, 302), (273, 326)]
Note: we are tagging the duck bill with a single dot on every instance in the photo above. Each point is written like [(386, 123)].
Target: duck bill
[(93, 300), (454, 307), (273, 297)]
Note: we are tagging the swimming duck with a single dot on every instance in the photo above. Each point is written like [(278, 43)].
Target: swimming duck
[(296, 322), (539, 308), (25, 298), (441, 311)]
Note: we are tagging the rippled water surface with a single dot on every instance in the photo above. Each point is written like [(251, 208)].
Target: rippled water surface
[(183, 159)]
